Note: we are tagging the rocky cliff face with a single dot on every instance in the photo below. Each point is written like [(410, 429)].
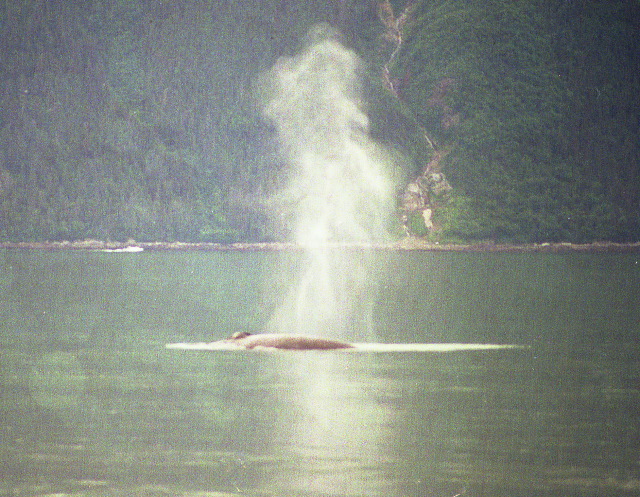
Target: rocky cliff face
[(421, 195)]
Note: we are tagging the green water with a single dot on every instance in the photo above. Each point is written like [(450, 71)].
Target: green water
[(92, 404)]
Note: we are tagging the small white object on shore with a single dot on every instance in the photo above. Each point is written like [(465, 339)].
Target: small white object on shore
[(124, 249)]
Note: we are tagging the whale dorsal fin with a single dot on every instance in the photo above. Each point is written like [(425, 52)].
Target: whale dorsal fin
[(240, 334)]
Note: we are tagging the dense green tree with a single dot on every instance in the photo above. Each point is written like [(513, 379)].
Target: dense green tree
[(511, 89), (139, 119)]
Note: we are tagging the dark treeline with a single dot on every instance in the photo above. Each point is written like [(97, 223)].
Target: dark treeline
[(139, 119)]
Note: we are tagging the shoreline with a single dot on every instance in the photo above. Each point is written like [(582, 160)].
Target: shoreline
[(406, 244)]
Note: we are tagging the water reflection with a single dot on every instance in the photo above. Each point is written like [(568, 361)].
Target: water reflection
[(334, 428), (92, 404)]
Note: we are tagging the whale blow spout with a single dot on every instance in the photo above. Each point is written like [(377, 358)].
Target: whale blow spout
[(283, 341)]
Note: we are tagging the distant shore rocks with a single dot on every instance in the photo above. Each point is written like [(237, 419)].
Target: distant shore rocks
[(408, 243)]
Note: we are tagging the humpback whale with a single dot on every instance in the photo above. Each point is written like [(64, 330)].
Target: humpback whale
[(283, 341)]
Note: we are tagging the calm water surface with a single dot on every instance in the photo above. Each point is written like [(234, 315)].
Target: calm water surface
[(92, 404)]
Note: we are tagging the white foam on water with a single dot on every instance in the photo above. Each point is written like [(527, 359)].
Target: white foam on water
[(359, 347), (430, 347)]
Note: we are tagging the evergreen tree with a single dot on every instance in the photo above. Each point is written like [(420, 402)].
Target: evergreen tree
[(128, 119), (490, 80)]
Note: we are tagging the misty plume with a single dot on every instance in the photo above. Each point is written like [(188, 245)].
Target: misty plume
[(336, 183), (336, 179)]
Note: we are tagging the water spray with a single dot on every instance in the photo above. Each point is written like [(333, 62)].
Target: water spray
[(336, 180)]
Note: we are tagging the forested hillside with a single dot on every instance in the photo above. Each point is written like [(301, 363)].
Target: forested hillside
[(140, 119), (537, 103)]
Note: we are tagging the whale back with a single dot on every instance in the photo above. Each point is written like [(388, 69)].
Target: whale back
[(285, 342)]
